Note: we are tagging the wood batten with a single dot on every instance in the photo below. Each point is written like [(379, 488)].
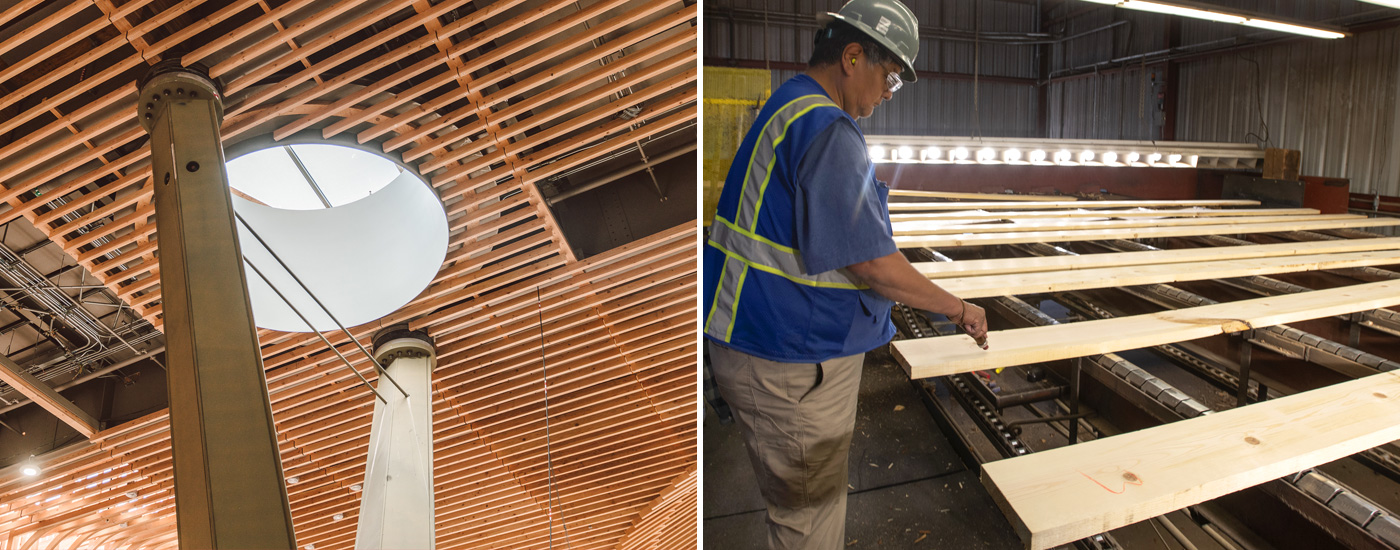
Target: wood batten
[(39, 392), (927, 357), (990, 238), (1057, 496)]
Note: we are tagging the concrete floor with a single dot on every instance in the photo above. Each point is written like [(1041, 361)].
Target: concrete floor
[(906, 479)]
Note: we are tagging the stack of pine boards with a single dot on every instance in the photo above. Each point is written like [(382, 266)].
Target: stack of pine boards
[(1057, 496)]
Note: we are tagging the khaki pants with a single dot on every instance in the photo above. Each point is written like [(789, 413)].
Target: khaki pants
[(797, 420)]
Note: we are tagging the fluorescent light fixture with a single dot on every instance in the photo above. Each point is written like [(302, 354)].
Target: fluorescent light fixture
[(959, 154), (1387, 3), (1038, 157), (1011, 156), (906, 153), (877, 152), (1086, 157), (1154, 158), (1183, 12), (987, 156), (932, 153), (1295, 29), (1064, 158), (1111, 159), (1222, 17)]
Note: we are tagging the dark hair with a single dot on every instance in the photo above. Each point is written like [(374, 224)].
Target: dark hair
[(832, 40)]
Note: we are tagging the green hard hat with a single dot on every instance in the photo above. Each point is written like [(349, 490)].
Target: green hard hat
[(889, 22)]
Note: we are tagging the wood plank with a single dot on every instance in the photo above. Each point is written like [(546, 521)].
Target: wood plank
[(976, 196), (945, 206), (1057, 496), (952, 228), (946, 241), (1056, 281), (39, 392), (945, 355), (1040, 264), (1192, 212)]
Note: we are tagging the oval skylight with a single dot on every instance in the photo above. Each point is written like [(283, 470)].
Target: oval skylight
[(362, 235)]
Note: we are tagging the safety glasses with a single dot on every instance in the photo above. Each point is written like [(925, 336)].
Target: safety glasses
[(893, 82)]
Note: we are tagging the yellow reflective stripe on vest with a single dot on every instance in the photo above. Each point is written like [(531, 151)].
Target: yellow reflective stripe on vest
[(764, 255), (764, 155)]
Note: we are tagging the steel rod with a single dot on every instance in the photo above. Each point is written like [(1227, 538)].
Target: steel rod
[(383, 373), (313, 329)]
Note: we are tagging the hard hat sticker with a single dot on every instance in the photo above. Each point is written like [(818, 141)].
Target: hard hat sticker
[(884, 26)]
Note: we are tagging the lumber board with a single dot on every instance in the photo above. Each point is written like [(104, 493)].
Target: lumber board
[(47, 397), (1064, 494), (976, 196), (944, 206), (948, 241), (1109, 213), (944, 355), (942, 227), (1041, 264), (1078, 279)]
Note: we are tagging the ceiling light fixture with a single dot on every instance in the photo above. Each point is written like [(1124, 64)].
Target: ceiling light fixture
[(1065, 152), (30, 468), (1210, 13), (1387, 3)]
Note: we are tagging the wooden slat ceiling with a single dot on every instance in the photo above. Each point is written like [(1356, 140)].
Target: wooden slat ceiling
[(486, 100)]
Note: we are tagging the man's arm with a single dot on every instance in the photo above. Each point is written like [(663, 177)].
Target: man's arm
[(893, 277)]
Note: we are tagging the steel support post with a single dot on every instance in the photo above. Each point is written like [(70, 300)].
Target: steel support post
[(1246, 354), (396, 508), (229, 489)]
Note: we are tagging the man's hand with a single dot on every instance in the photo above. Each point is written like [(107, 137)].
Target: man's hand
[(893, 277), (974, 321)]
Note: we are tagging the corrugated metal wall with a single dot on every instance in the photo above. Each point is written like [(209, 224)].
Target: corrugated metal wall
[(1334, 100), (928, 107)]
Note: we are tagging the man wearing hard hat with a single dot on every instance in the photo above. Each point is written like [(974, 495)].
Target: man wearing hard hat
[(801, 270)]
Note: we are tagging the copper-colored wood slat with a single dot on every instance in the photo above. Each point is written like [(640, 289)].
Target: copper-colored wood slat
[(72, 206), (571, 21), (338, 58), (71, 245), (63, 166), (446, 331), (492, 123), (242, 32), (523, 87), (616, 135), (31, 32), (539, 119), (254, 51), (22, 144), (494, 32)]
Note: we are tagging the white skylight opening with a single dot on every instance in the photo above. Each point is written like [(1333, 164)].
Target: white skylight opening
[(341, 174), (323, 207)]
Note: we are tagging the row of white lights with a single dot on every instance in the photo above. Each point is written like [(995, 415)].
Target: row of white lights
[(1036, 157), (1249, 21)]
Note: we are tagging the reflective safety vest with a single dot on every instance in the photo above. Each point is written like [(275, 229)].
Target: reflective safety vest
[(759, 298)]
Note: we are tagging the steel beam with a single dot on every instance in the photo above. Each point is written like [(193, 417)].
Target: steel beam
[(229, 486)]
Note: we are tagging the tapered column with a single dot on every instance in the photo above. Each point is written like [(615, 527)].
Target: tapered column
[(396, 509), (229, 490)]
